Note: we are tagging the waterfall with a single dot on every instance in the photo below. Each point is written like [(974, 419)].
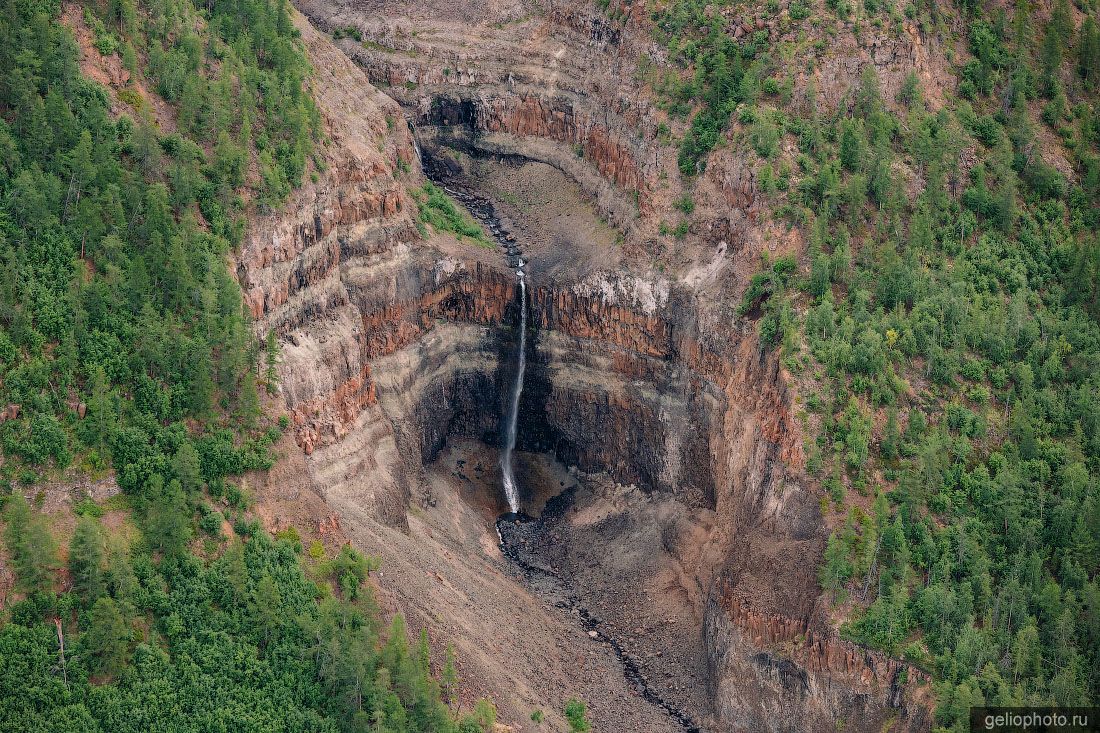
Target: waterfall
[(416, 143), (482, 210), (510, 490)]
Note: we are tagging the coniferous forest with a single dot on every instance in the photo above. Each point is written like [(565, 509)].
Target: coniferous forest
[(950, 331), (124, 344)]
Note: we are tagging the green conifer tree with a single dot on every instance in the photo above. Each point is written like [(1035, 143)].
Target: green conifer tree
[(86, 552)]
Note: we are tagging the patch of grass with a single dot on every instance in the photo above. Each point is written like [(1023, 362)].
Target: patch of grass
[(133, 98), (87, 507), (509, 198), (348, 31), (118, 502), (686, 203), (438, 211)]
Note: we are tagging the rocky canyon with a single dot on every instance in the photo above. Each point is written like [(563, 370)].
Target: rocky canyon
[(664, 570), (530, 366)]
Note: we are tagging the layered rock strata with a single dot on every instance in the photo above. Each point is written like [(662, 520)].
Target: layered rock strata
[(392, 344), (772, 672), (558, 88)]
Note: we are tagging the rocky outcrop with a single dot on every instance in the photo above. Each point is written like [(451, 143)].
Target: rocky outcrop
[(772, 672), (514, 83), (532, 116), (644, 397), (343, 278), (635, 388)]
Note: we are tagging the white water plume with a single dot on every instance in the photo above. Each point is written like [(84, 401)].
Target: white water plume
[(510, 490)]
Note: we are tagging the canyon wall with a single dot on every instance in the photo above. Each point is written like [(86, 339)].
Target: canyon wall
[(608, 165), (639, 390), (645, 395), (557, 88), (772, 672), (384, 342), (570, 84), (392, 343)]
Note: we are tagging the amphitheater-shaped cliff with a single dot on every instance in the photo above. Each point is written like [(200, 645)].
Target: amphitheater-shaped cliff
[(397, 341)]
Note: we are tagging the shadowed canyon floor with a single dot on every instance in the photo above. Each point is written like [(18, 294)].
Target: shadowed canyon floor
[(514, 642)]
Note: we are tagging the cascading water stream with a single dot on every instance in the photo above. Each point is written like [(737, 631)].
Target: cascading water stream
[(482, 210), (507, 470), (416, 143), (515, 527)]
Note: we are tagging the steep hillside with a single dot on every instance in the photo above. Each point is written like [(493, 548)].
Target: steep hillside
[(140, 592), (931, 169)]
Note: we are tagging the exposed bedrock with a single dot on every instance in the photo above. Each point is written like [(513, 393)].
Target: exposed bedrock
[(419, 350), (392, 344), (522, 85), (594, 147), (396, 345), (773, 673)]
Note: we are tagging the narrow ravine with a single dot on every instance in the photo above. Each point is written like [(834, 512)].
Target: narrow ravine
[(515, 529)]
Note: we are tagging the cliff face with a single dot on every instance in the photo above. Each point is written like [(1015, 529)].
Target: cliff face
[(392, 344), (556, 87), (645, 396), (776, 673), (564, 84), (339, 276)]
